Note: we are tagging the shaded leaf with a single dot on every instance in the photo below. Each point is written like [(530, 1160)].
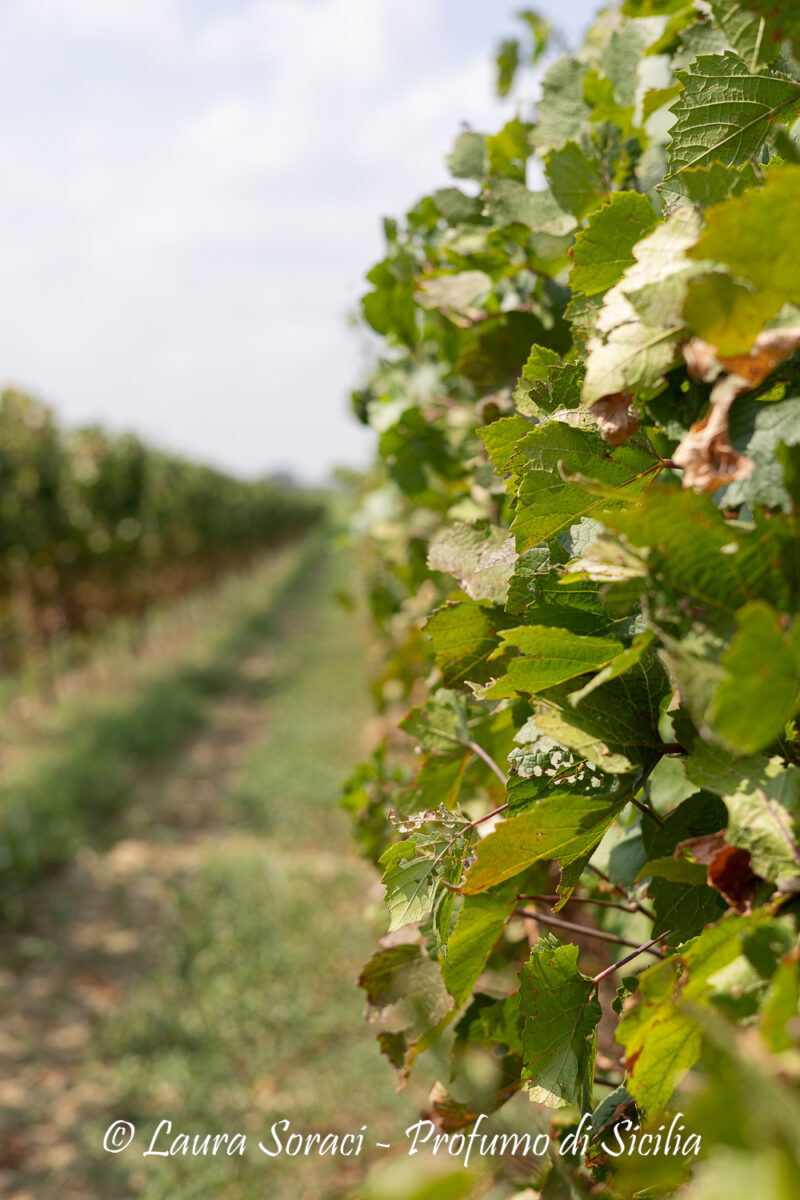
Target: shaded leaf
[(559, 1037), (478, 926)]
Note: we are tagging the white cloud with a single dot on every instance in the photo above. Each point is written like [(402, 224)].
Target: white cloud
[(156, 20), (185, 238)]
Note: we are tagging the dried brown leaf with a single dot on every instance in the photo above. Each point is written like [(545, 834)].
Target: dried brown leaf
[(731, 873), (616, 418), (729, 868), (701, 359), (706, 455), (770, 348)]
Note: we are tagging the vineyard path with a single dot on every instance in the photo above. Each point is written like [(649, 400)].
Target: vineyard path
[(198, 963)]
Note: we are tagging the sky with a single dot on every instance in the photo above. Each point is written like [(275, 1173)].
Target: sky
[(192, 191)]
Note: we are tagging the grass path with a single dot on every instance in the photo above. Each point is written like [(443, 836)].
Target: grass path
[(198, 965)]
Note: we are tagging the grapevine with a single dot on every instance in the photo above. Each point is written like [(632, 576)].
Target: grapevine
[(580, 553)]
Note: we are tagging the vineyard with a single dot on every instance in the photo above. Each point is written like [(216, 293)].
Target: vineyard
[(579, 541), (95, 526)]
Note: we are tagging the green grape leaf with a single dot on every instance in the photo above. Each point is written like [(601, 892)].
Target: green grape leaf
[(559, 1038), (547, 505), (748, 235), (603, 249), (660, 1034), (616, 725), (415, 870), (469, 157), (464, 635), (405, 990), (743, 31), (694, 552), (508, 202), (780, 1007), (549, 655), (506, 64), (760, 690), (478, 926), (562, 111), (547, 384), (501, 437), (725, 111), (562, 826), (635, 338), (711, 184), (755, 429), (617, 666), (492, 1023), (682, 899), (781, 20), (762, 798), (482, 560), (577, 179)]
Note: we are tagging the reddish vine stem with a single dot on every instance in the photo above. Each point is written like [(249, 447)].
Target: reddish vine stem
[(476, 749), (620, 891), (647, 812), (586, 930), (487, 758), (487, 816), (630, 907), (647, 946)]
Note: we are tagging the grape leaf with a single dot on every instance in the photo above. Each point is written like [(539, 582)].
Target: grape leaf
[(405, 989), (507, 201), (743, 30), (562, 111), (469, 157), (559, 1037), (501, 437), (616, 725), (547, 505), (635, 339), (577, 179), (464, 635), (748, 235), (549, 656), (661, 1036), (780, 17), (762, 665), (562, 826), (603, 249), (725, 110), (711, 184), (480, 559), (413, 875), (755, 429), (478, 926), (762, 797)]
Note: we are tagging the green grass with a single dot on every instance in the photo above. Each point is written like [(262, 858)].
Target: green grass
[(252, 1015)]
